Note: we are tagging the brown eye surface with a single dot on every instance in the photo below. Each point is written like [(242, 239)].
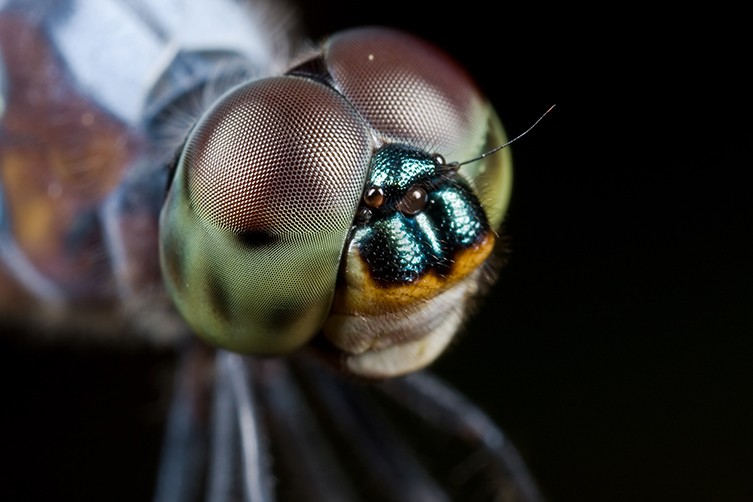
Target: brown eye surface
[(413, 202), (277, 156), (373, 197), (408, 90)]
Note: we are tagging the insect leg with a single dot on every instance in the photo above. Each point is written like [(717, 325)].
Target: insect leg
[(185, 441), (446, 410)]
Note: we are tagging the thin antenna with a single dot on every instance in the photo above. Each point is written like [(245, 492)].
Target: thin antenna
[(455, 165)]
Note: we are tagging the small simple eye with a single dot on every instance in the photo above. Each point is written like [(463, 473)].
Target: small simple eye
[(413, 202), (373, 197)]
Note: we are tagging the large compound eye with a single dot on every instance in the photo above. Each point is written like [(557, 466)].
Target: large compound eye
[(409, 91), (412, 93), (258, 212)]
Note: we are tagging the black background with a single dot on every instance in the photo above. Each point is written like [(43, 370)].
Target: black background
[(615, 351)]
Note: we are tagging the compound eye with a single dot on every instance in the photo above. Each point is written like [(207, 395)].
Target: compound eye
[(412, 93), (257, 216), (408, 90), (277, 156)]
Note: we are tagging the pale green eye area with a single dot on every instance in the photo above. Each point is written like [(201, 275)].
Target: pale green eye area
[(258, 212)]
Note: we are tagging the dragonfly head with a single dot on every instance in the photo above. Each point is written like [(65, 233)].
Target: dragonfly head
[(320, 203)]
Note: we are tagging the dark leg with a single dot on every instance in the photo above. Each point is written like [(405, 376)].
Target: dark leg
[(446, 410), (239, 468), (298, 431), (184, 446), (381, 463)]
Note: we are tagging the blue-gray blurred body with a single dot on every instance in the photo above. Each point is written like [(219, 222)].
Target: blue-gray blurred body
[(95, 99)]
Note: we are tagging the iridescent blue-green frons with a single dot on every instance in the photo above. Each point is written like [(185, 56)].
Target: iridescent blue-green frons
[(400, 248)]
